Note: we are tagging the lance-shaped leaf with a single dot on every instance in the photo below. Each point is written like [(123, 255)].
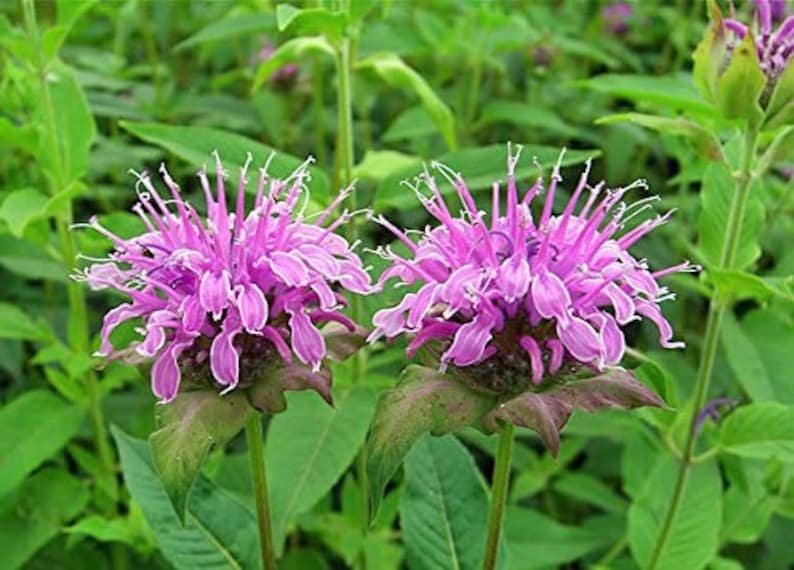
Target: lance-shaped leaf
[(706, 142), (709, 55), (271, 382), (424, 401), (546, 413), (310, 21), (782, 147), (189, 427), (780, 110), (397, 73), (739, 88)]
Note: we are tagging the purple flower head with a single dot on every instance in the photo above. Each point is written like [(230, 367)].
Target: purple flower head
[(616, 17), (285, 74), (774, 47), (233, 289), (525, 295)]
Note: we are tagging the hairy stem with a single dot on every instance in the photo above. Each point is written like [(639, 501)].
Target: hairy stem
[(501, 478), (256, 453), (717, 308)]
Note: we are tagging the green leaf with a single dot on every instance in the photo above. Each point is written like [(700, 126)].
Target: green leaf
[(773, 336), (24, 137), (188, 428), (706, 142), (780, 110), (693, 538), (196, 144), (34, 426), (292, 51), (745, 360), (397, 73), (676, 93), (588, 489), (443, 506), (760, 431), (424, 401), (360, 8), (220, 533), (309, 448), (20, 208), (779, 150), (709, 55), (739, 285), (231, 27), (720, 563), (746, 514), (378, 164), (70, 11), (741, 85), (536, 541), (530, 116), (412, 123), (480, 167), (311, 21), (44, 503), (15, 323), (74, 127), (28, 260), (120, 529), (715, 198)]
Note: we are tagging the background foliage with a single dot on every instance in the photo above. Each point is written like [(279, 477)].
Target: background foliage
[(91, 89)]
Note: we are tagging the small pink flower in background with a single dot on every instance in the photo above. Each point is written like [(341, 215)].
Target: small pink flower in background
[(233, 288), (286, 74), (523, 295), (774, 47), (617, 17)]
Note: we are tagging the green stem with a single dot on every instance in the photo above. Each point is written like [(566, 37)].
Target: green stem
[(318, 99), (345, 161), (717, 308), (78, 312), (501, 478), (256, 453), (345, 110), (150, 47)]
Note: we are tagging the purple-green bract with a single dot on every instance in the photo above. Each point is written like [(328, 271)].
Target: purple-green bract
[(529, 292), (774, 49), (203, 288)]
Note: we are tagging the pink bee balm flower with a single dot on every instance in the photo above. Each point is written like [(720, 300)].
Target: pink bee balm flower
[(521, 295), (774, 47), (234, 287)]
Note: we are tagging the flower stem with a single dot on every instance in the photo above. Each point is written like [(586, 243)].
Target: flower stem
[(717, 308), (501, 478), (345, 160), (345, 111), (256, 453)]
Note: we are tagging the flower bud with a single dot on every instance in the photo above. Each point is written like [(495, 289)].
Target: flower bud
[(745, 70)]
